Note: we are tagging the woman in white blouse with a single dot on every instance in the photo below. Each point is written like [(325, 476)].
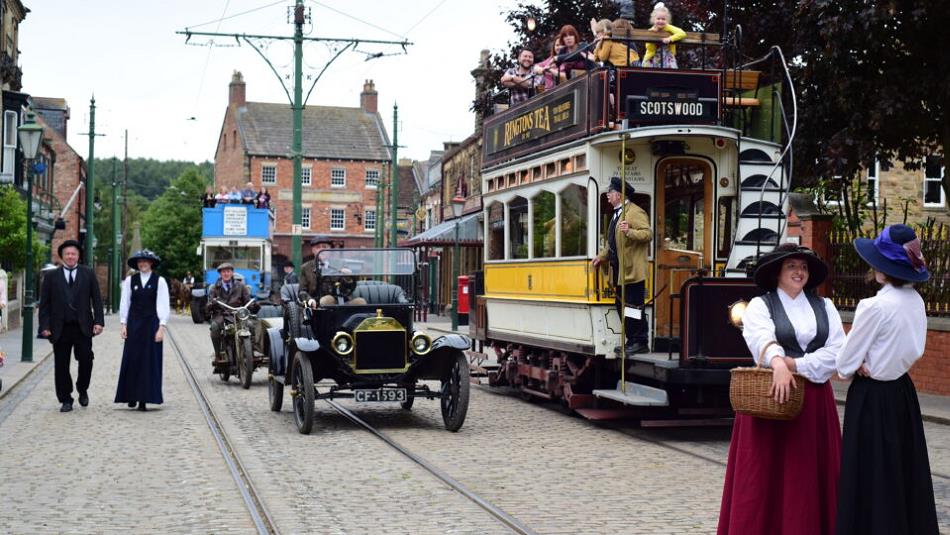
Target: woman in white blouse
[(885, 484), (782, 475), (143, 312)]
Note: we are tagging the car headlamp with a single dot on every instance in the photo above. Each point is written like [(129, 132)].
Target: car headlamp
[(420, 343), (342, 343)]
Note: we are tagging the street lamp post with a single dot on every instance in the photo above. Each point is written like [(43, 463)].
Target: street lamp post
[(30, 136), (458, 203)]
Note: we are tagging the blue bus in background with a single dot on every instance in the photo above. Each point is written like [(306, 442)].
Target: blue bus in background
[(240, 235)]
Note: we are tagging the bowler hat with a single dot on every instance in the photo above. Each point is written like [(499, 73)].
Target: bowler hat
[(225, 265), (144, 254), (895, 252), (617, 185), (770, 264), (317, 240), (68, 243)]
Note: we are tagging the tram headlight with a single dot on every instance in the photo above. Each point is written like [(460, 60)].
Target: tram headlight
[(421, 343), (736, 310), (342, 343)]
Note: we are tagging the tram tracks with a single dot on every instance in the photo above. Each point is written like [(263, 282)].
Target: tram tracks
[(263, 522)]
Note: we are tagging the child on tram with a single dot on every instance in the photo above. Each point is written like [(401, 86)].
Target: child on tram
[(664, 54)]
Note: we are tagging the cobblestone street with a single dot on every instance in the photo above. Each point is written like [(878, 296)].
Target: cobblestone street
[(105, 468)]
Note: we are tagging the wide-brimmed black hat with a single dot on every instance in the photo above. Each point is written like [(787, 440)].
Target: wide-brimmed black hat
[(617, 185), (770, 264), (895, 252), (68, 243), (317, 240), (225, 265), (144, 254)]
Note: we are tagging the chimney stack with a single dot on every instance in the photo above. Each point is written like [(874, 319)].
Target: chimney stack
[(369, 98), (237, 91)]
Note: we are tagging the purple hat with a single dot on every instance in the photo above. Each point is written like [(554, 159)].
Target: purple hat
[(895, 252)]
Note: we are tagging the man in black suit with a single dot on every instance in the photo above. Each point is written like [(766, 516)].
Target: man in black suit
[(70, 315)]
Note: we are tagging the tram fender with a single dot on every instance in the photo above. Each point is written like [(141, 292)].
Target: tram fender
[(306, 345), (457, 341)]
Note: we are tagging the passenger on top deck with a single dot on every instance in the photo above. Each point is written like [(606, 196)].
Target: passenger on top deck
[(574, 54), (248, 195), (208, 199), (664, 55), (547, 69), (234, 196), (610, 50), (222, 196), (520, 79)]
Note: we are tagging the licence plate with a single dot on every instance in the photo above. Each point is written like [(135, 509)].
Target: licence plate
[(379, 394)]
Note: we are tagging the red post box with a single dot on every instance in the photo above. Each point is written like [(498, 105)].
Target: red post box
[(463, 294)]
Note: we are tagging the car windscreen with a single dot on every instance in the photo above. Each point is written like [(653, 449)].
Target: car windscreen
[(366, 262)]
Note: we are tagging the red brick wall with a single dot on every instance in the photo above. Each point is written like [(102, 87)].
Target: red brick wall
[(230, 163), (931, 374), (354, 199), (68, 172)]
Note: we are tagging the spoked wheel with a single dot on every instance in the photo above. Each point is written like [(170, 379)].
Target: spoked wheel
[(303, 393), (225, 371), (246, 363), (455, 390), (275, 393)]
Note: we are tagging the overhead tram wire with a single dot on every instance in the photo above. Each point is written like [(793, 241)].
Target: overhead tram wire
[(204, 71), (222, 19), (424, 17), (357, 19)]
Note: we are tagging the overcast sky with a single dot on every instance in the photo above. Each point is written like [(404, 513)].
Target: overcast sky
[(147, 80)]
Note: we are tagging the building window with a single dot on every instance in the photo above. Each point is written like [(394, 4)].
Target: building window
[(372, 178), (305, 174), (9, 145), (369, 220), (874, 170), (268, 174), (305, 218), (934, 197), (337, 178), (337, 218)]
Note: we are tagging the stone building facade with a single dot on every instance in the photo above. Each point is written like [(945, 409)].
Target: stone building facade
[(346, 154)]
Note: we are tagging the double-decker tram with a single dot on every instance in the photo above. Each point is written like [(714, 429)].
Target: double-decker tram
[(707, 153)]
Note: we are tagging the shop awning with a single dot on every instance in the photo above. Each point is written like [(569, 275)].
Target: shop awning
[(470, 233)]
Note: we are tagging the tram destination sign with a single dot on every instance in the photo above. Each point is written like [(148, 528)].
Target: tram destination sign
[(663, 97), (536, 120)]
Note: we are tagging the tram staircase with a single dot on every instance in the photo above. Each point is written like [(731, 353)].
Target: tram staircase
[(763, 198)]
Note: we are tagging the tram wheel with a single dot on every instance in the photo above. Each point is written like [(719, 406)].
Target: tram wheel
[(246, 363), (275, 393), (455, 392), (302, 384)]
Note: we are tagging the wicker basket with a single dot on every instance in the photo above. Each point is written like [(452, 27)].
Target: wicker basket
[(749, 393)]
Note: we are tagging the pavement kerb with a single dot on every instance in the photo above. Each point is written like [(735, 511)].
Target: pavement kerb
[(840, 395), (8, 388)]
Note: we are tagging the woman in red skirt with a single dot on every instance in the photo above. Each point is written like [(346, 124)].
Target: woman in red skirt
[(885, 485), (782, 475)]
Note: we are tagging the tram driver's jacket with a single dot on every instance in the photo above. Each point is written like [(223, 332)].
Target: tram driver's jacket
[(633, 245)]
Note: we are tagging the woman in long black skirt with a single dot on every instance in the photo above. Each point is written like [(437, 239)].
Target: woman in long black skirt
[(885, 485), (143, 312)]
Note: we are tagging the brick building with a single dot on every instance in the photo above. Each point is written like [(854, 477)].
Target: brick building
[(346, 153), (67, 173), (916, 190)]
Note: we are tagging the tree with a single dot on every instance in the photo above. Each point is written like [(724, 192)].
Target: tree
[(13, 232), (149, 178), (172, 224), (875, 82)]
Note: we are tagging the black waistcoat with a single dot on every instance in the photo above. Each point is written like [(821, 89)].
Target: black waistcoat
[(71, 310), (785, 332), (143, 298)]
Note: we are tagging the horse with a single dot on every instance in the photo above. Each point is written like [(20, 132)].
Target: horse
[(179, 296)]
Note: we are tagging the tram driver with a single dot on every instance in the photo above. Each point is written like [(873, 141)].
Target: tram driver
[(628, 234)]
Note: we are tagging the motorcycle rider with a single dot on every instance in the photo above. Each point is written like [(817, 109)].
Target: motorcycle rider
[(234, 293)]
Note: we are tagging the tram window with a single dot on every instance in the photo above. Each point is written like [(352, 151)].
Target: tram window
[(544, 225), (727, 217), (683, 220), (518, 227), (496, 231), (574, 221), (240, 257)]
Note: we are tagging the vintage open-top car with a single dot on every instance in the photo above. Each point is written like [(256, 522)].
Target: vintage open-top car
[(359, 334)]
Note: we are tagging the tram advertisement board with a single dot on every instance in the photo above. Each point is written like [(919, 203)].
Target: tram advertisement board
[(535, 120), (670, 97)]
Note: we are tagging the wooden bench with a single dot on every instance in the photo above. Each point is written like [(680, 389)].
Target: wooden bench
[(737, 81), (692, 38)]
